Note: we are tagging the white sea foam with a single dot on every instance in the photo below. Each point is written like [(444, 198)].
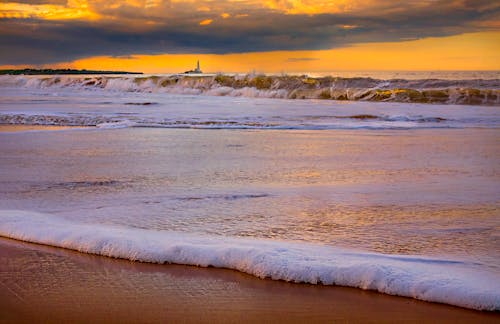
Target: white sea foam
[(454, 282), (118, 124), (74, 106), (473, 92)]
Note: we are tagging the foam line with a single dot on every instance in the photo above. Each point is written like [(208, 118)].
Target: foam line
[(454, 282)]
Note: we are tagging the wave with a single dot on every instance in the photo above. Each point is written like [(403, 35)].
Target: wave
[(473, 92), (454, 282), (305, 122), (224, 197)]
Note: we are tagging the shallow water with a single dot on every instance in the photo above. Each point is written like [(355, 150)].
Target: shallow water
[(424, 192), (418, 191), (118, 109)]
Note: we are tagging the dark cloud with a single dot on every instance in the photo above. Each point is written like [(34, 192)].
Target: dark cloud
[(36, 41), (124, 57)]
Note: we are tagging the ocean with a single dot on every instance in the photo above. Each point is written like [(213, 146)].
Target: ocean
[(396, 193)]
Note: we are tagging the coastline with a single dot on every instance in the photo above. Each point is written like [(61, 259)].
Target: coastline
[(52, 285), (60, 72), (16, 128)]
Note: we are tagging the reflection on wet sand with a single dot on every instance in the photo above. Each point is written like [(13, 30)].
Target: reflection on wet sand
[(55, 285)]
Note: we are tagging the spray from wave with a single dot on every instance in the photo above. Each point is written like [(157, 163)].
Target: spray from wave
[(470, 92)]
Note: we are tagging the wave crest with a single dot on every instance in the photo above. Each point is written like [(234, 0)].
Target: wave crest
[(473, 92)]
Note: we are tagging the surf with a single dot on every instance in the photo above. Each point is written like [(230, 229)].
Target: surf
[(455, 282), (428, 91)]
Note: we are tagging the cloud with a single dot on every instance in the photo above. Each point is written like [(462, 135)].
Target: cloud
[(348, 26), (121, 28), (203, 9), (206, 22), (124, 57), (36, 2)]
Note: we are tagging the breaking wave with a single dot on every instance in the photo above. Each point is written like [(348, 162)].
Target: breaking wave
[(473, 92), (306, 122), (454, 282)]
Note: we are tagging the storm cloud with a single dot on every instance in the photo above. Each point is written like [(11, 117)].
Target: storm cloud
[(157, 27)]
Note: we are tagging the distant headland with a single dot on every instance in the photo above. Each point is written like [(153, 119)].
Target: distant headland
[(60, 71)]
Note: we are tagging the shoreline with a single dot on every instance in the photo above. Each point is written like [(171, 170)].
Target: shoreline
[(51, 285), (30, 71), (17, 128)]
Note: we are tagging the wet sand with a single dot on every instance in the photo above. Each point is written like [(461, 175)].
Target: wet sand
[(46, 284), (6, 128)]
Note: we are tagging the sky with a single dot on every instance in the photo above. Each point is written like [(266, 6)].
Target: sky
[(155, 36)]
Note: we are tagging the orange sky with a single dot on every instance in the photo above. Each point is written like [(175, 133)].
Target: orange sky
[(474, 43), (479, 51)]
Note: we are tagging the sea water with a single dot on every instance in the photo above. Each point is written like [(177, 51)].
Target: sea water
[(400, 198)]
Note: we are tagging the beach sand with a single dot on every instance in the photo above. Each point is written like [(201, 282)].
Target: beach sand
[(5, 128), (46, 284)]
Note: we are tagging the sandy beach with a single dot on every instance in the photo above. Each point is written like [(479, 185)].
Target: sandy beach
[(249, 161), (27, 128), (51, 285), (403, 204)]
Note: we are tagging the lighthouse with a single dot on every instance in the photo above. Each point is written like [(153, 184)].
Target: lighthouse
[(197, 70)]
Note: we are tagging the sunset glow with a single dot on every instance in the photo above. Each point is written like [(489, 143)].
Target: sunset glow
[(384, 56), (274, 161), (247, 35)]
